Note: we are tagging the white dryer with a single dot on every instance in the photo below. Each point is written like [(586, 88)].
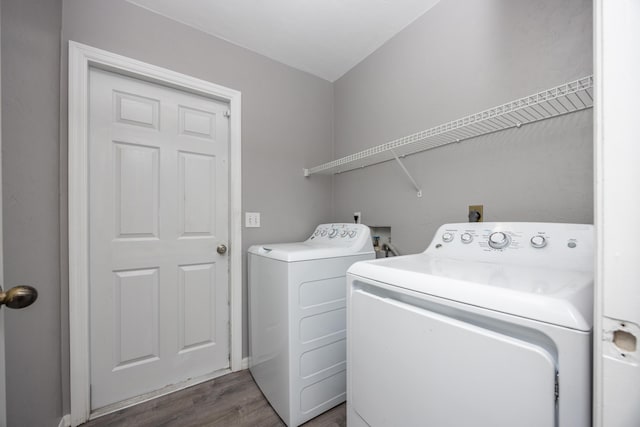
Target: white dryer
[(297, 318), (489, 327)]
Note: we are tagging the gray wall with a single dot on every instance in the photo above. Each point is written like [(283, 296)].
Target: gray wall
[(30, 126), (460, 58)]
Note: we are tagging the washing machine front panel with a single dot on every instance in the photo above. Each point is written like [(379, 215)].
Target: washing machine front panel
[(317, 346), (297, 318)]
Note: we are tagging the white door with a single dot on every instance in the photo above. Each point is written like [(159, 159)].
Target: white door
[(158, 212), (617, 150)]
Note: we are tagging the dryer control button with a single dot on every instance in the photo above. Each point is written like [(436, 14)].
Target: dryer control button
[(333, 233), (323, 233), (466, 238), (353, 233), (344, 233), (538, 242), (447, 237), (499, 240)]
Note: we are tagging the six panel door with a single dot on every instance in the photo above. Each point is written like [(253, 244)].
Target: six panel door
[(158, 170)]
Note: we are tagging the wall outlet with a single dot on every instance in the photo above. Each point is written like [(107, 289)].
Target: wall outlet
[(357, 217), (252, 219), (473, 216)]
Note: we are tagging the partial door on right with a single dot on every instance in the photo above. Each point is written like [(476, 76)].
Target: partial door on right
[(617, 150)]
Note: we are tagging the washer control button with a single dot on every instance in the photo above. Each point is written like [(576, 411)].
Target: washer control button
[(499, 240), (323, 233), (538, 242), (333, 233), (447, 237), (353, 233), (572, 244), (344, 233), (466, 238)]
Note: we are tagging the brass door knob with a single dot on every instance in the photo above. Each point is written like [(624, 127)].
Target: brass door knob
[(222, 249), (18, 297)]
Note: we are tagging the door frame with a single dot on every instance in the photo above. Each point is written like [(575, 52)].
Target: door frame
[(617, 298), (81, 59), (3, 384)]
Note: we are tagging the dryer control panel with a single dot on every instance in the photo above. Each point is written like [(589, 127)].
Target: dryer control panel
[(517, 242)]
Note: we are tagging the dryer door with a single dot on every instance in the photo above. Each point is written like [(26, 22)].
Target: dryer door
[(413, 367)]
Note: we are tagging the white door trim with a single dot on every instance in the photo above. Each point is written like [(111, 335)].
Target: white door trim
[(81, 58)]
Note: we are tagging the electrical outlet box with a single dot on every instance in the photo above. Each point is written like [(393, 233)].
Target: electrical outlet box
[(252, 219), (472, 215), (357, 217)]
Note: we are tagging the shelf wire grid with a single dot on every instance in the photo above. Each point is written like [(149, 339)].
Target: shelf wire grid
[(558, 101)]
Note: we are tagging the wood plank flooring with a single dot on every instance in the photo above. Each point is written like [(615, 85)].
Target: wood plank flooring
[(233, 400)]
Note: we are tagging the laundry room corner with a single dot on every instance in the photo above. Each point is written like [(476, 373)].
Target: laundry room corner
[(459, 59)]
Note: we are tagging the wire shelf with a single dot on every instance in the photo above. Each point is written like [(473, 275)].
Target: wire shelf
[(560, 100)]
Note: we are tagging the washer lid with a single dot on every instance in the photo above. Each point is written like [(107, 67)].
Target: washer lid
[(559, 297), (303, 251), (327, 241)]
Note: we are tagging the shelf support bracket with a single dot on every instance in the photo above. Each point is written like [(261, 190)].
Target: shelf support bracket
[(404, 169)]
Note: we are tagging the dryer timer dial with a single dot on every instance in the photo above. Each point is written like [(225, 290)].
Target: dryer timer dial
[(499, 240), (538, 242)]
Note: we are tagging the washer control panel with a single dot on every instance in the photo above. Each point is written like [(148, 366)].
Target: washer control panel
[(486, 241), (338, 232)]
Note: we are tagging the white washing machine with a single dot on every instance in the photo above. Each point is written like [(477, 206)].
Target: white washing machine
[(297, 318), (490, 326)]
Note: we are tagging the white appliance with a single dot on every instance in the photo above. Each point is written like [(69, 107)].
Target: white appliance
[(297, 318), (490, 326)]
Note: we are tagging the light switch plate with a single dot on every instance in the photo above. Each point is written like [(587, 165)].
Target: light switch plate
[(252, 219)]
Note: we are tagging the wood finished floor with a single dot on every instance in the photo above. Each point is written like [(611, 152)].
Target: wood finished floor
[(233, 400)]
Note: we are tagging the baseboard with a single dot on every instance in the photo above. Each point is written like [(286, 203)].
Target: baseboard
[(245, 363), (65, 421)]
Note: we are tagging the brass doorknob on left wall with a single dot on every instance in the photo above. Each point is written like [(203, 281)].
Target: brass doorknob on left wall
[(18, 297), (222, 249)]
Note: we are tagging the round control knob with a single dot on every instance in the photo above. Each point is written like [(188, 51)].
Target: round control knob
[(447, 237), (499, 240), (538, 242), (333, 233), (466, 238), (323, 233), (344, 233), (317, 233), (353, 233)]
